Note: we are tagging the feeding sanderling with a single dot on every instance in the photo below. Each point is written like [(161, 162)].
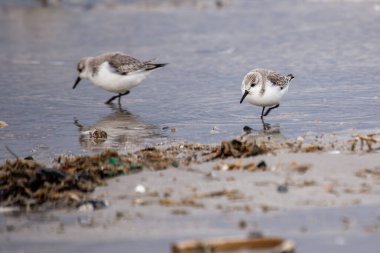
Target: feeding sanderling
[(263, 87), (115, 72)]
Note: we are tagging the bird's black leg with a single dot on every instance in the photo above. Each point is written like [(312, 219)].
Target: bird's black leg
[(117, 96), (123, 94), (119, 100), (111, 99), (262, 112), (270, 109)]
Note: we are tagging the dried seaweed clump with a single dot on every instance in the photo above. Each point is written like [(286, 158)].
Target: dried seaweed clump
[(156, 159), (237, 149), (98, 167), (28, 184)]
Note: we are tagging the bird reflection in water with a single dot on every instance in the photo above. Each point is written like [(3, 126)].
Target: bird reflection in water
[(120, 130), (267, 133)]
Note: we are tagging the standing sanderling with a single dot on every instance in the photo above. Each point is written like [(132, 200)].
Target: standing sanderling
[(115, 72), (263, 87)]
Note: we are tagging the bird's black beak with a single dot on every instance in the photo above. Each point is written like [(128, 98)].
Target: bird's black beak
[(245, 94), (76, 82)]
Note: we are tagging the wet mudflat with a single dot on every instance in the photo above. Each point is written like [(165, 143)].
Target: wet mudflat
[(312, 182)]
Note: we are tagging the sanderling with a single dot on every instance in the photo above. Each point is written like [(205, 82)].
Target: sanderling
[(263, 87), (115, 72)]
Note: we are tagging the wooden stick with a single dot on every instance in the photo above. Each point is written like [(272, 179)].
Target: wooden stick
[(233, 244)]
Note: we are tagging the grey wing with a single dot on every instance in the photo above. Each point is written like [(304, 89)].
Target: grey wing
[(124, 64), (277, 79)]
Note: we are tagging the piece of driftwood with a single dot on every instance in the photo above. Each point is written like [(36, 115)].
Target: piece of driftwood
[(272, 244)]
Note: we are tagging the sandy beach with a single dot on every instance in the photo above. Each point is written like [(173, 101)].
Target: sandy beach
[(331, 195)]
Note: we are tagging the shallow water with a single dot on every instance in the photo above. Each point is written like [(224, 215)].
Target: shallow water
[(332, 48)]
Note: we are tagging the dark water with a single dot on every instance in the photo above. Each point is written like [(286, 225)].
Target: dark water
[(331, 47)]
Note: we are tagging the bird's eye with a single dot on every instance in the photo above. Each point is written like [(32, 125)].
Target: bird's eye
[(252, 84), (80, 67)]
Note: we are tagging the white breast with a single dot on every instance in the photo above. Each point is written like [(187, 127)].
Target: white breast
[(270, 97), (107, 79)]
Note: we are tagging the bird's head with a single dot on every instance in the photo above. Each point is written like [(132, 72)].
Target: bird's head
[(250, 81), (290, 77), (82, 68)]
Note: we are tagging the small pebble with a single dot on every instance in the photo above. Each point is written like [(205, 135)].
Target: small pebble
[(224, 167), (214, 130), (247, 129), (140, 188), (262, 165), (283, 188), (242, 224)]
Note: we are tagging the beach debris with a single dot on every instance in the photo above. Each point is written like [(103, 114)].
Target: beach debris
[(368, 139), (214, 130), (238, 165), (172, 129), (3, 124), (28, 184), (140, 202), (230, 194), (182, 202), (155, 158), (237, 149), (97, 133), (274, 244), (368, 173), (192, 200), (91, 205), (312, 148), (300, 168), (140, 189)]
